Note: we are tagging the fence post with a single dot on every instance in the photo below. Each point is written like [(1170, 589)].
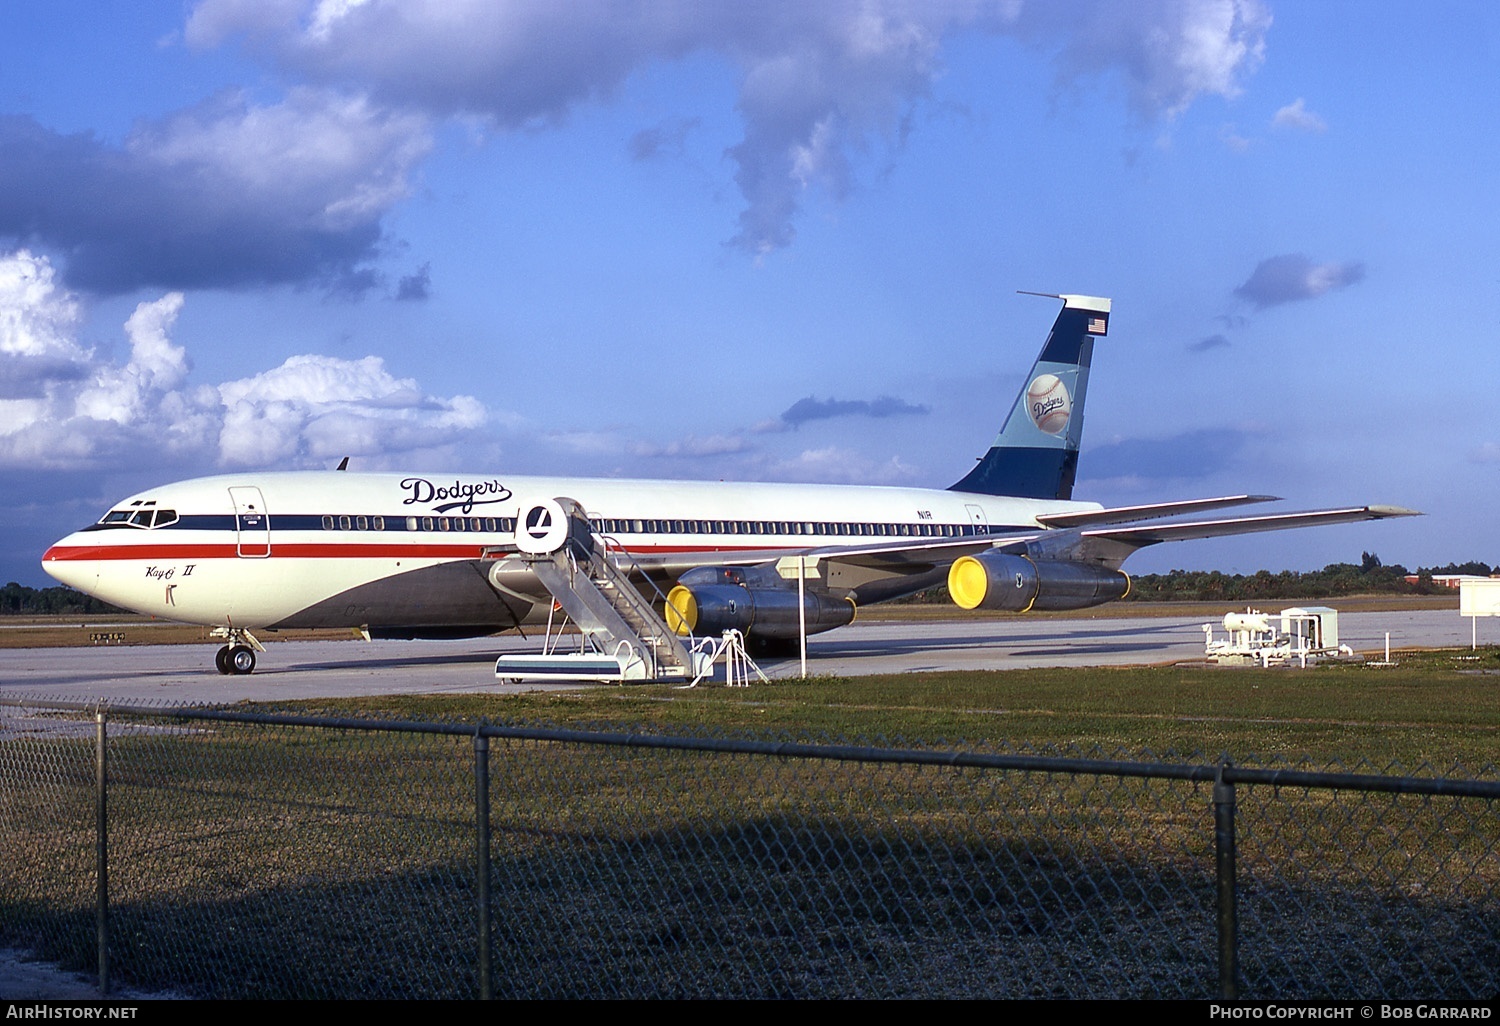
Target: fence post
[(1224, 867), (101, 848), (482, 869)]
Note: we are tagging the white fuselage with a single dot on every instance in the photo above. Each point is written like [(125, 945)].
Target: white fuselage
[(330, 549)]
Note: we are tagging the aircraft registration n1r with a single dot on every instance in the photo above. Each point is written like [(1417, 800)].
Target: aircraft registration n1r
[(427, 555)]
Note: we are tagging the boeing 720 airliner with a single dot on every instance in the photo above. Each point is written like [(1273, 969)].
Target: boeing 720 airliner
[(426, 555)]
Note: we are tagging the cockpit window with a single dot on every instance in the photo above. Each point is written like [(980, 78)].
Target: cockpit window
[(147, 518)]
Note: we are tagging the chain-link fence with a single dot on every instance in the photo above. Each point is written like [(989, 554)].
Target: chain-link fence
[(223, 854)]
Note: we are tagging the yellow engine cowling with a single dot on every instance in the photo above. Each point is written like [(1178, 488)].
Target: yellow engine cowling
[(708, 610), (996, 580)]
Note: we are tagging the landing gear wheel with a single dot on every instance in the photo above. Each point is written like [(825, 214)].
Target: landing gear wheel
[(241, 660), (221, 659)]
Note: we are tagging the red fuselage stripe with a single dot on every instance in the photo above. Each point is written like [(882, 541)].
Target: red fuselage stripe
[(295, 550)]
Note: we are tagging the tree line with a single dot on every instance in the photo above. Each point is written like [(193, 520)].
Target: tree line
[(19, 600), (1369, 576)]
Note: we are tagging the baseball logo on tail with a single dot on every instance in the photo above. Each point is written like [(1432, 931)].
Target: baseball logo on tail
[(1049, 404)]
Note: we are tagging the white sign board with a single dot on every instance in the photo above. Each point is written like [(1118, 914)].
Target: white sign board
[(1479, 597)]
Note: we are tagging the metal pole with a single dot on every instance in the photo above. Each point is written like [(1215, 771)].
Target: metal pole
[(101, 850), (482, 869), (1224, 866), (802, 608)]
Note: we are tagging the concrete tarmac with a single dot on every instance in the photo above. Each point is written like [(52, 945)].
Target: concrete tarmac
[(173, 674)]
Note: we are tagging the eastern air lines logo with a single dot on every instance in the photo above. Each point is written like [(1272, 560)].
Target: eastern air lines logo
[(1049, 404)]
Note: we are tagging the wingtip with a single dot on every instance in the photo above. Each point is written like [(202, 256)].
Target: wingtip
[(1394, 511)]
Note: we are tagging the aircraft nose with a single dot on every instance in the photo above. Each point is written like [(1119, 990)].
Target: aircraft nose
[(62, 566)]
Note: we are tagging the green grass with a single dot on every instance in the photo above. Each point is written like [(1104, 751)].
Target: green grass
[(1437, 708)]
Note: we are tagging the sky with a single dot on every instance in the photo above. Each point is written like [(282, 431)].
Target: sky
[(755, 241)]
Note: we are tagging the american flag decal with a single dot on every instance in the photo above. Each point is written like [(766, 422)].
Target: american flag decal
[(1096, 325)]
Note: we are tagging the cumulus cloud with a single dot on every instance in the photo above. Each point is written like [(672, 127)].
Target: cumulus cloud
[(1293, 276), (38, 320), (817, 82), (225, 193), (63, 406), (1296, 115), (232, 193), (812, 408), (314, 408), (1170, 52)]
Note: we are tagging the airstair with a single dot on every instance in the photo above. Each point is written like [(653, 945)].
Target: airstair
[(622, 635)]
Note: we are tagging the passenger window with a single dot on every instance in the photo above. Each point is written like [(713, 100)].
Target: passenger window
[(361, 523), (343, 523), (378, 522), (328, 523)]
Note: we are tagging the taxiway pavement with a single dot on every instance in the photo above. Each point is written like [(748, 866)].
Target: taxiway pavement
[(176, 674)]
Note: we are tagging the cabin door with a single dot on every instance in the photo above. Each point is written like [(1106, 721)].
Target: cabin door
[(252, 524), (977, 520)]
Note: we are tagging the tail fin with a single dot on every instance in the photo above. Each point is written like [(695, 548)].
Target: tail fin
[(1036, 453)]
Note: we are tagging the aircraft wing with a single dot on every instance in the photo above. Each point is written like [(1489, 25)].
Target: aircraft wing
[(1095, 544), (1110, 545), (1155, 511)]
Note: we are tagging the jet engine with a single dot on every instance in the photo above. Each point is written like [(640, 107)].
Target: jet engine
[(995, 580), (710, 600)]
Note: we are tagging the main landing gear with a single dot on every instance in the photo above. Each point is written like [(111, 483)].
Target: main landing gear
[(237, 657)]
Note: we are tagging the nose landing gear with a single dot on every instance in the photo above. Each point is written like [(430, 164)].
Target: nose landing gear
[(237, 657)]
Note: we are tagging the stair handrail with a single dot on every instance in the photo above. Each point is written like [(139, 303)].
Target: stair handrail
[(619, 558)]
